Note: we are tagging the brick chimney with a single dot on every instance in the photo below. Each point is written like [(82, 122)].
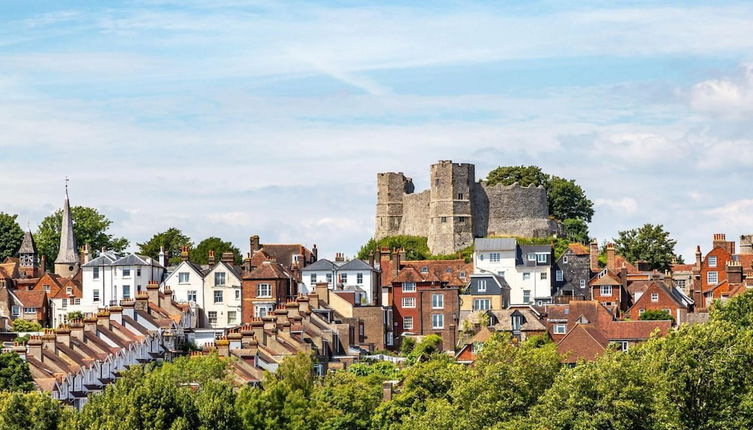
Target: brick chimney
[(254, 244), (35, 347), (593, 254), (395, 262), (223, 347), (734, 272), (128, 308), (184, 253), (247, 333), (63, 334), (90, 324), (720, 240), (77, 329), (48, 339), (43, 265), (152, 291), (339, 257), (142, 301), (257, 325), (227, 258), (210, 259), (103, 319), (116, 314), (698, 257), (235, 339), (322, 292), (611, 257)]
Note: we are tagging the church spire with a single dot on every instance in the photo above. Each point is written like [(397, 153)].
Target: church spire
[(66, 263)]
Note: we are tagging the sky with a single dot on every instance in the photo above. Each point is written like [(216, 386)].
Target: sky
[(232, 118)]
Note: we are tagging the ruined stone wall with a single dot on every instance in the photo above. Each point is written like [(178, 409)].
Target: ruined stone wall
[(512, 210), (416, 214)]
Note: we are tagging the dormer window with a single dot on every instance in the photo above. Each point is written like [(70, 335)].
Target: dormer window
[(69, 290), (517, 322), (424, 269), (46, 288), (409, 287), (531, 256), (462, 275), (564, 259), (482, 285)]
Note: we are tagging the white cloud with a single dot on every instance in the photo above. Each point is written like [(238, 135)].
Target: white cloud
[(729, 97), (625, 205)]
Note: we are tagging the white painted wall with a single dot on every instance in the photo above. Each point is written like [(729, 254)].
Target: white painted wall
[(231, 297)]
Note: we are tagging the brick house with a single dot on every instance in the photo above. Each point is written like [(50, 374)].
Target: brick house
[(425, 304), (264, 288), (656, 295), (609, 289)]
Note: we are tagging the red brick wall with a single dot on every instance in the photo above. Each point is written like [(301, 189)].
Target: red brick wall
[(248, 295), (722, 257), (450, 311), (664, 302)]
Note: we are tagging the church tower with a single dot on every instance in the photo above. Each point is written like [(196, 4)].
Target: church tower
[(28, 257), (67, 262)]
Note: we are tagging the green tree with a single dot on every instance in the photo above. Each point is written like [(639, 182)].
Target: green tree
[(656, 314), (22, 325), (200, 254), (32, 411), (14, 373), (75, 315), (171, 240), (416, 247), (649, 243), (523, 175), (11, 236), (89, 226), (575, 231)]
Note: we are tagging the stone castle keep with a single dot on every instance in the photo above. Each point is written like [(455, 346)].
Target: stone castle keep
[(457, 208)]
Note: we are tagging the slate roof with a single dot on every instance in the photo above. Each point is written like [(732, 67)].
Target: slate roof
[(104, 259), (28, 246), (320, 265), (356, 264), (495, 284), (495, 244)]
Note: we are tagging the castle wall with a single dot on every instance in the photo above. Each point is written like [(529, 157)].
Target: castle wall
[(416, 214), (513, 210)]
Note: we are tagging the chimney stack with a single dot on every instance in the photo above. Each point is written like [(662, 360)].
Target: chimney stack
[(184, 253), (339, 257), (35, 347), (254, 244), (162, 256), (228, 258), (211, 258), (152, 290), (315, 253), (593, 253), (734, 272), (611, 257), (64, 335), (720, 241)]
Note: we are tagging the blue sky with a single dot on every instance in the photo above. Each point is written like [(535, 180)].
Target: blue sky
[(233, 118)]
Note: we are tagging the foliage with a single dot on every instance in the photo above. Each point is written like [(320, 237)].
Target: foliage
[(89, 226), (738, 311), (429, 345), (649, 243), (32, 411), (406, 345), (200, 254), (656, 314), (75, 315), (567, 200), (415, 247), (11, 236), (575, 231), (22, 339), (14, 373), (21, 325), (171, 240)]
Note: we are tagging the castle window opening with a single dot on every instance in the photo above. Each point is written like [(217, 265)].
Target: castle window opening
[(443, 219), (461, 219), (460, 196)]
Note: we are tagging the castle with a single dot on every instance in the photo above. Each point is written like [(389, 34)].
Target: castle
[(457, 208)]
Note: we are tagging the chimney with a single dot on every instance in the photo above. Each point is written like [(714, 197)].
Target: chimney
[(48, 339), (85, 253), (322, 292), (257, 325), (128, 308), (103, 319), (184, 253), (90, 324), (270, 322), (593, 254), (313, 301), (395, 263), (746, 244), (281, 313), (235, 339), (339, 257), (210, 260), (35, 347), (247, 333), (77, 329), (162, 256), (223, 346), (720, 240), (315, 253), (228, 258), (610, 256), (116, 314), (285, 325), (142, 301), (152, 291), (63, 334), (698, 258), (254, 244), (303, 305), (734, 272), (43, 265)]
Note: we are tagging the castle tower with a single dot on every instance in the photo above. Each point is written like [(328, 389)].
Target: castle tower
[(28, 257), (450, 214), (67, 262), (391, 188)]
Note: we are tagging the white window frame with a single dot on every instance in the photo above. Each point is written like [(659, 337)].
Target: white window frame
[(481, 304), (495, 257), (260, 290), (481, 285), (187, 276), (654, 297), (218, 294), (95, 295), (531, 256), (125, 272), (526, 293), (582, 283), (409, 287), (437, 301), (437, 321), (344, 278), (409, 302), (407, 323), (237, 294), (605, 290), (190, 293), (221, 275), (234, 315), (564, 259), (715, 277), (359, 278), (543, 276), (559, 329), (312, 279), (95, 273), (212, 318), (15, 311), (559, 276), (713, 261), (541, 258), (128, 289), (526, 276)]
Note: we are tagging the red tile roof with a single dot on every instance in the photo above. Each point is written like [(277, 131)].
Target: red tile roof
[(578, 249), (35, 298)]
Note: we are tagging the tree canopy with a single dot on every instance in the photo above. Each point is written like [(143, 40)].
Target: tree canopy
[(200, 254), (415, 247), (89, 226), (171, 240), (649, 243), (14, 373), (22, 325), (11, 236)]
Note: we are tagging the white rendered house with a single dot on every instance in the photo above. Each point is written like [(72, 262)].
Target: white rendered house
[(110, 278), (352, 274)]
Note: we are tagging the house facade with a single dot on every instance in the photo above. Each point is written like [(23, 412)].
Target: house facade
[(353, 274), (111, 277), (222, 294), (572, 272)]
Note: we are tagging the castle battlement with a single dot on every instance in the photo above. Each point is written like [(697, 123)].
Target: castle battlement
[(457, 208)]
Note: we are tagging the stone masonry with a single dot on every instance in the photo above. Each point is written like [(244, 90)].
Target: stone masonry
[(457, 208)]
